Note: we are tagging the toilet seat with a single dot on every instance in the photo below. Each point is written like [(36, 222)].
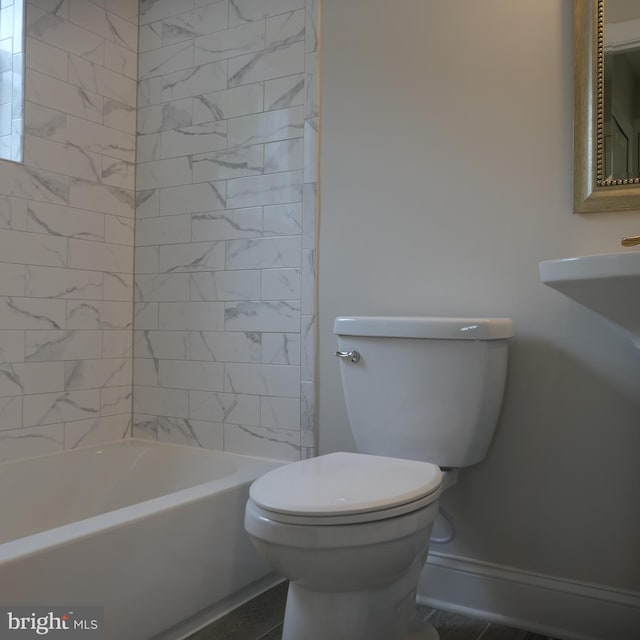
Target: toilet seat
[(345, 488), (353, 518)]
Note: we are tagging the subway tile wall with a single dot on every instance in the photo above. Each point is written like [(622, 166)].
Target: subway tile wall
[(66, 232), (224, 327), (225, 228)]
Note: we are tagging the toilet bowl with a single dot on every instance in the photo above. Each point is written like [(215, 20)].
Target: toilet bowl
[(350, 531)]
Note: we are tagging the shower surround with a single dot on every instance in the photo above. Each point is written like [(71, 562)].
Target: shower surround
[(66, 233), (224, 203), (225, 229)]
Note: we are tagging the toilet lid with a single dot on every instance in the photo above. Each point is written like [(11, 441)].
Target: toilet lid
[(343, 484)]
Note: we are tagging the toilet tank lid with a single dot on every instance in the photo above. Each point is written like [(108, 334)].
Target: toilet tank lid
[(424, 327)]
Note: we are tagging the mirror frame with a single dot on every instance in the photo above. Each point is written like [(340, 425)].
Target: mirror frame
[(591, 191)]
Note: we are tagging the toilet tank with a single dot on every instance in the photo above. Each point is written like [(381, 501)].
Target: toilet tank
[(424, 388)]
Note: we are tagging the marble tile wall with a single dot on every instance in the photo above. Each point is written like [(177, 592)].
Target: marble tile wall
[(224, 326), (66, 232)]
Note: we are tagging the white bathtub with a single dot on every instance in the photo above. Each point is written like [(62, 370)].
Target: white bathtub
[(153, 532)]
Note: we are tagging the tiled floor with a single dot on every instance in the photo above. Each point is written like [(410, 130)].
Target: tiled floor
[(261, 619)]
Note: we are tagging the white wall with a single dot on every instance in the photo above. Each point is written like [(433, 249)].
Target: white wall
[(446, 177)]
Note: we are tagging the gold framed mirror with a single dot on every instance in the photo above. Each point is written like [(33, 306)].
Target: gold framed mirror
[(606, 160)]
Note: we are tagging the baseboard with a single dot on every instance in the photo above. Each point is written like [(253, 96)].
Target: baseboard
[(560, 608)]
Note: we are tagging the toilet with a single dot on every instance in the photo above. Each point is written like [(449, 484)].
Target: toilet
[(350, 531)]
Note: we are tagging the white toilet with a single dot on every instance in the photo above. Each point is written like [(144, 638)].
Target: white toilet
[(351, 530)]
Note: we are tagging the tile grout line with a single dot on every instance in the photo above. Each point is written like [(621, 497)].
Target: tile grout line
[(484, 631), (266, 634)]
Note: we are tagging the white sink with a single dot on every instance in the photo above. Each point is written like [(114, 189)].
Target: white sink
[(608, 284)]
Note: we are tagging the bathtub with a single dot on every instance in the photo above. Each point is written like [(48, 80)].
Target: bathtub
[(152, 532)]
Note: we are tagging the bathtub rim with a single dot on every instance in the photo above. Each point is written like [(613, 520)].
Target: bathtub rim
[(20, 548), (139, 441)]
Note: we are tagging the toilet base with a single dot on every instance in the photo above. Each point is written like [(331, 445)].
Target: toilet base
[(384, 613)]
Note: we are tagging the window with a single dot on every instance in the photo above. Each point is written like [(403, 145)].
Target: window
[(11, 79)]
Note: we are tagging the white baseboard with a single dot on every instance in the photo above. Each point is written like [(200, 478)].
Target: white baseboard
[(560, 608)]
